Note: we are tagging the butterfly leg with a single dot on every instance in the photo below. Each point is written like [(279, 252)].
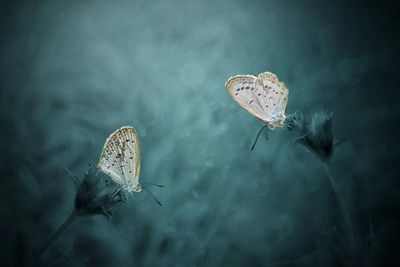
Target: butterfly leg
[(266, 133), (116, 192), (106, 213)]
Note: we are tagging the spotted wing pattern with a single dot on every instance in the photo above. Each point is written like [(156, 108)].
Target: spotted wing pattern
[(243, 90), (277, 96), (263, 96), (120, 158)]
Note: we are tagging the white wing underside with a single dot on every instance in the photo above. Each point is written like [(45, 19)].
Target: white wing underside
[(264, 96), (120, 158)]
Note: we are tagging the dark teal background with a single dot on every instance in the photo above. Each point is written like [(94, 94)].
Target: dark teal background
[(71, 72)]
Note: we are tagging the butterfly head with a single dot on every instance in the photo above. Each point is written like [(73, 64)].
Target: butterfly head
[(135, 188), (271, 126), (276, 122)]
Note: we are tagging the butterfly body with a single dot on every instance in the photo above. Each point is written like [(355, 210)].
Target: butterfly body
[(120, 159), (130, 188), (263, 96)]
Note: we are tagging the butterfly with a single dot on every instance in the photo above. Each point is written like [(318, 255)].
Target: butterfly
[(120, 159), (264, 96)]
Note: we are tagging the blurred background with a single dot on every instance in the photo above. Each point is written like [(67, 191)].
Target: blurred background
[(71, 72)]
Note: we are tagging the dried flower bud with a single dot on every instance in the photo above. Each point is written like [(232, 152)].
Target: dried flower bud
[(94, 195), (316, 132)]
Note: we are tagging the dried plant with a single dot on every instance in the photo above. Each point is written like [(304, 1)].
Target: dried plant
[(94, 197), (317, 137)]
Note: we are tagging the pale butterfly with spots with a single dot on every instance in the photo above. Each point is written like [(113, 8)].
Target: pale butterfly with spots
[(264, 96), (120, 159)]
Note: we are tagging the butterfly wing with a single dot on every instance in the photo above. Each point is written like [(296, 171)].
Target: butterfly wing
[(258, 96), (120, 158), (244, 89), (277, 97)]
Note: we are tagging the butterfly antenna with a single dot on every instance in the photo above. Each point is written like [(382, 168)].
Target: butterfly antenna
[(159, 203), (153, 184), (258, 135)]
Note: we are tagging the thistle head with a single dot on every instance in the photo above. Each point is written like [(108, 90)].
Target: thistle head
[(316, 132), (296, 121), (95, 196)]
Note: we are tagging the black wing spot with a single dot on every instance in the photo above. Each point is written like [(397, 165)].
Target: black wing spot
[(251, 101)]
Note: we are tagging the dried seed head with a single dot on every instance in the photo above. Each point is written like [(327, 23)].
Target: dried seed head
[(316, 132), (95, 195)]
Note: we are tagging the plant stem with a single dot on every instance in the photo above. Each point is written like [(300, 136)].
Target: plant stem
[(342, 203), (54, 237)]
